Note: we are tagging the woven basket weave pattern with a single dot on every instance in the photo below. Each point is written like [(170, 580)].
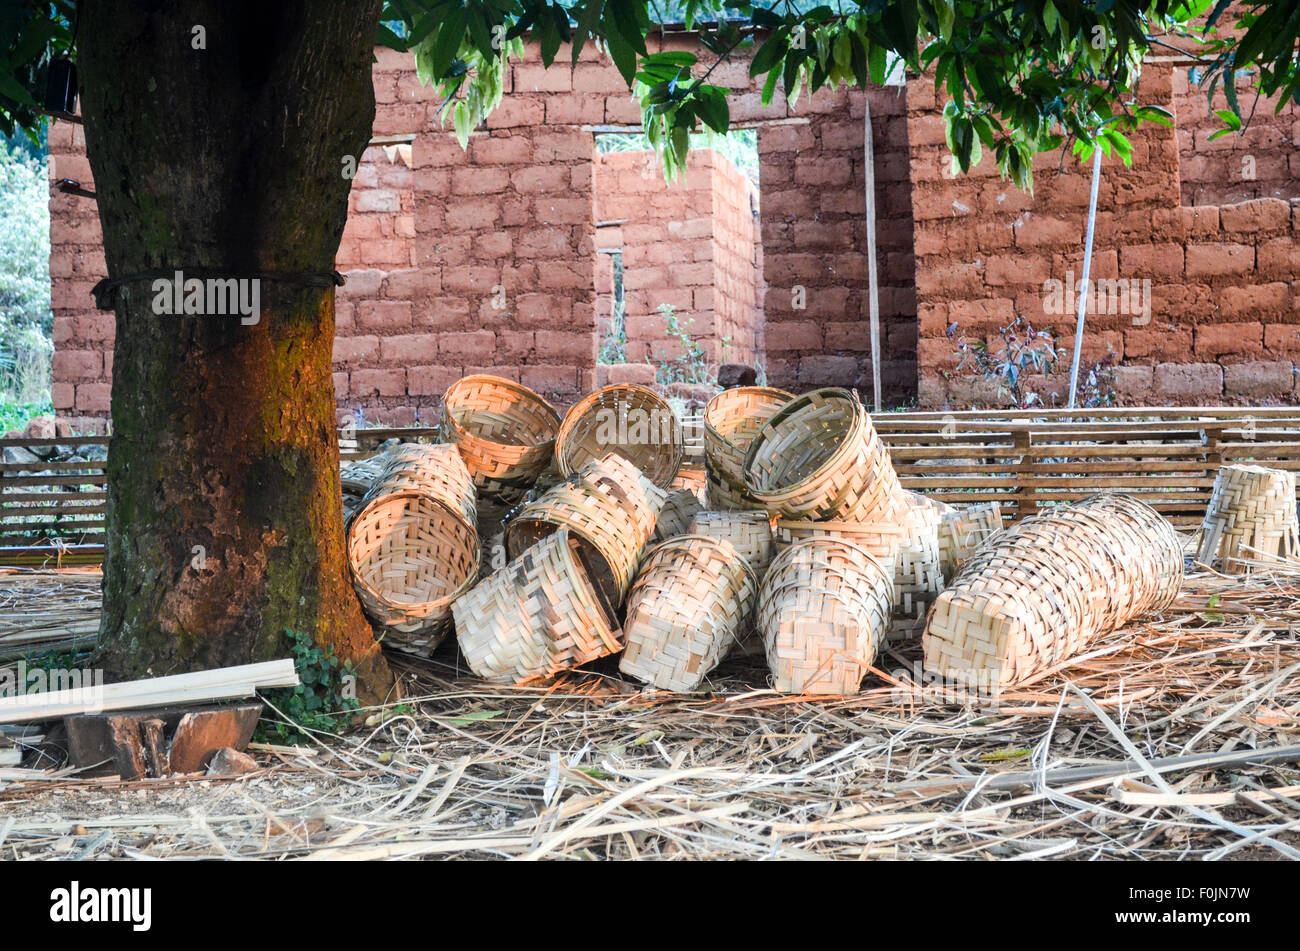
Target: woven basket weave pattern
[(749, 533), (505, 432), (629, 421), (679, 509), (1251, 516), (610, 507), (731, 421), (413, 547), (822, 613), (534, 618), (963, 531), (1040, 591), (819, 458), (691, 603)]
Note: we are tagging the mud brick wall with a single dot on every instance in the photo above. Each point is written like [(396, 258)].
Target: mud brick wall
[(737, 265), (1261, 162), (686, 244), (812, 179), (83, 336), (1225, 280), (484, 261)]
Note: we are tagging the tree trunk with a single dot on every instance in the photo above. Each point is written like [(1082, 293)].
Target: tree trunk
[(217, 132)]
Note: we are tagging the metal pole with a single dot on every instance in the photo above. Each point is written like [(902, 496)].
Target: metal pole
[(869, 176), (1083, 284)]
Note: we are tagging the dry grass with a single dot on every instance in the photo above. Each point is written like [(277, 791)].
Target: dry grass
[(590, 766)]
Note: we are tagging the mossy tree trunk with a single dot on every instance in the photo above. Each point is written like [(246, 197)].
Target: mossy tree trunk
[(217, 132)]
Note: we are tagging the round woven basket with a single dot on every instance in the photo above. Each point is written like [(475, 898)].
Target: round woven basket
[(437, 471), (692, 602), (628, 420), (411, 557), (534, 618), (731, 421), (1038, 592), (610, 507), (750, 533), (962, 531), (357, 476), (1251, 517), (820, 458), (822, 613), (675, 516), (504, 430), (412, 545)]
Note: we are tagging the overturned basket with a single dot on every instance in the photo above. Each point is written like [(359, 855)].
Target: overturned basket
[(536, 617), (610, 508), (731, 421), (820, 458), (505, 431), (629, 421), (413, 552), (1251, 517), (750, 534), (1040, 591), (438, 471), (822, 613), (691, 603)]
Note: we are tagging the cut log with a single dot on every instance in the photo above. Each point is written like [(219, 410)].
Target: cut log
[(157, 742)]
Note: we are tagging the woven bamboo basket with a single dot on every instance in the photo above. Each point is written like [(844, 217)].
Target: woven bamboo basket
[(822, 613), (413, 547), (679, 509), (692, 602), (695, 479), (610, 507), (962, 531), (504, 430), (435, 470), (1251, 516), (358, 476), (918, 567), (536, 617), (750, 533), (819, 458), (628, 420), (731, 421), (1040, 591), (880, 540)]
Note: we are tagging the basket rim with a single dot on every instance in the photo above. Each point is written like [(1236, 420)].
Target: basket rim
[(464, 586), (696, 537), (503, 383), (578, 409), (712, 430), (789, 409), (839, 541)]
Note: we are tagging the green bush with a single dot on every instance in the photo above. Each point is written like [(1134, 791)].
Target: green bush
[(25, 317)]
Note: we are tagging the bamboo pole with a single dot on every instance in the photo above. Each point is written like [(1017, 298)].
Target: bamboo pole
[(869, 176)]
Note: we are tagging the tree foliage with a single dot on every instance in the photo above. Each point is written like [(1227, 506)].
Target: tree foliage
[(1021, 76)]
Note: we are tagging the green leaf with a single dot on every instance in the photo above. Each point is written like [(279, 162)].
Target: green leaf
[(450, 36), (627, 25), (468, 719)]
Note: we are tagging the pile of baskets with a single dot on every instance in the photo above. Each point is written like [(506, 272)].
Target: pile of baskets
[(549, 541)]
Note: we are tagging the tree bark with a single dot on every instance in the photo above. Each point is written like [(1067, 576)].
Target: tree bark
[(217, 132)]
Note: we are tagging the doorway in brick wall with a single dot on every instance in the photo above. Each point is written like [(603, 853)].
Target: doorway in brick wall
[(678, 265)]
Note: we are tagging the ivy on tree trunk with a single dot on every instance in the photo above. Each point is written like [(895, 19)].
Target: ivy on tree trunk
[(217, 132)]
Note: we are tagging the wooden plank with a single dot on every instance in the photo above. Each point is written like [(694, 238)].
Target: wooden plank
[(224, 683)]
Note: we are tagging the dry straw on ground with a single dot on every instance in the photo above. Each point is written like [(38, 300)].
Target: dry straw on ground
[(1175, 738)]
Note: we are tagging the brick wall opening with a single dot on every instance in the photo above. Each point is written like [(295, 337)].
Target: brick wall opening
[(686, 252)]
